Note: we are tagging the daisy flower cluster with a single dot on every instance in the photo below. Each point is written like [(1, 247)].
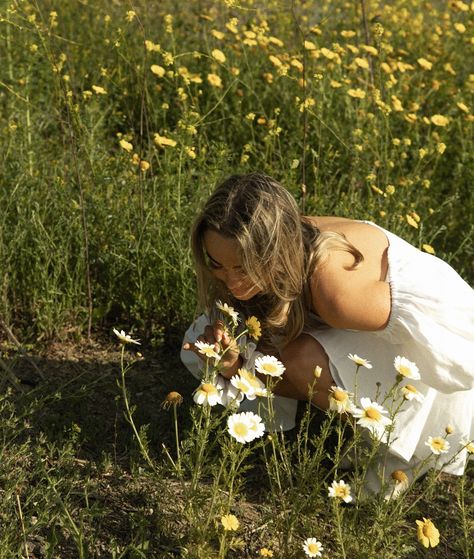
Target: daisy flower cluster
[(215, 389)]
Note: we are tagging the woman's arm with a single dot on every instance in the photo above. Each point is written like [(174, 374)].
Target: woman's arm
[(352, 298)]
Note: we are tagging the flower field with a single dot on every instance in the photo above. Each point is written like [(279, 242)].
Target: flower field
[(118, 118)]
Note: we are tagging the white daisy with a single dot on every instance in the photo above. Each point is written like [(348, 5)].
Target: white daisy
[(269, 365), (208, 350), (243, 386), (312, 547), (468, 445), (340, 490), (245, 426), (230, 396), (207, 393), (228, 311), (438, 445), (372, 417), (250, 385), (400, 482), (406, 368), (360, 361), (340, 400), (411, 393), (125, 338)]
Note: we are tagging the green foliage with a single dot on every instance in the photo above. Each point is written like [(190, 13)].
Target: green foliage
[(93, 232)]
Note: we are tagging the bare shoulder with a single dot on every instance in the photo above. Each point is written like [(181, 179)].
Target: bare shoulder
[(348, 296)]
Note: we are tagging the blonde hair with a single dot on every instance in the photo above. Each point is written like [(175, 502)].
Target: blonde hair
[(279, 251)]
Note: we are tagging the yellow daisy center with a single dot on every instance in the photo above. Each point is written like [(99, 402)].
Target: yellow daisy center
[(339, 395), (270, 368), (374, 414), (411, 388), (241, 429), (209, 388), (313, 548), (438, 444), (404, 370), (341, 492)]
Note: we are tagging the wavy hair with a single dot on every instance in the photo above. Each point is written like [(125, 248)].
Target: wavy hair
[(279, 251)]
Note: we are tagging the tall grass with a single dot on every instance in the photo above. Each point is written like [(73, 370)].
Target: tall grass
[(88, 236)]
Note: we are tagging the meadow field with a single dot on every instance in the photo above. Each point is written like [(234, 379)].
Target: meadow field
[(118, 119)]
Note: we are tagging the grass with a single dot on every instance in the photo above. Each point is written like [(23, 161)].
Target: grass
[(117, 121)]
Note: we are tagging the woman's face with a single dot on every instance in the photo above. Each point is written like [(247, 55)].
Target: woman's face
[(225, 265)]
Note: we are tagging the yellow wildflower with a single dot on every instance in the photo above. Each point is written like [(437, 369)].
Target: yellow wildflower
[(439, 120), (264, 552), (411, 221), (276, 42), (99, 90), (348, 34), (232, 25), (362, 63), (217, 34), (397, 104), (308, 45), (460, 27), (335, 84), (425, 64), (127, 146), (463, 107), (428, 534), (151, 47), (357, 93), (441, 148), (254, 327), (163, 141), (214, 80), (370, 49), (130, 15), (329, 54), (230, 522), (386, 68), (158, 70), (275, 61), (190, 152), (218, 55), (144, 165)]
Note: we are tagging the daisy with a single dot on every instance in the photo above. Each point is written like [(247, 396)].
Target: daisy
[(339, 400), (230, 395), (428, 534), (230, 522), (340, 490), (468, 445), (245, 426), (207, 393), (254, 327), (406, 368), (312, 547), (125, 338), (208, 350), (371, 416), (411, 393), (400, 483), (248, 384), (269, 365), (243, 386), (360, 361), (438, 445), (228, 311)]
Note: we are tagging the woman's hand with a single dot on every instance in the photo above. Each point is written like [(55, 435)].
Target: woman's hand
[(218, 336)]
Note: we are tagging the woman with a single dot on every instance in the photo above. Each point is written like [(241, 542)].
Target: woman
[(326, 287)]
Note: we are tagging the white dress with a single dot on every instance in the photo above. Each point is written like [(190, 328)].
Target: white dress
[(432, 324)]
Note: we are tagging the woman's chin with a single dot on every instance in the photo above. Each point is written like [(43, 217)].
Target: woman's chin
[(244, 295)]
